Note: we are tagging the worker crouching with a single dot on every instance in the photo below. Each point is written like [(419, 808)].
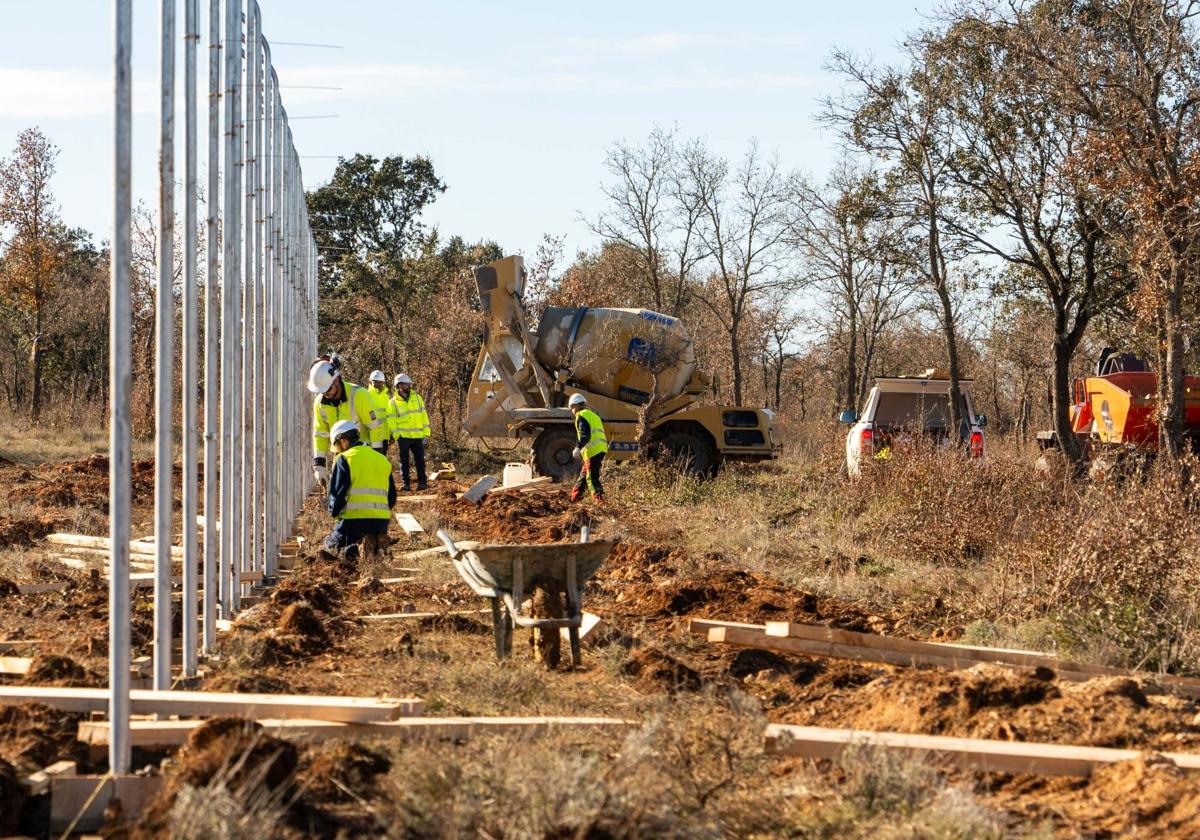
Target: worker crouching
[(591, 446), (362, 492)]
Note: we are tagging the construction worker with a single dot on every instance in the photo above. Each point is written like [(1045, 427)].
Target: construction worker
[(338, 400), (362, 491), (411, 428), (382, 400), (592, 444)]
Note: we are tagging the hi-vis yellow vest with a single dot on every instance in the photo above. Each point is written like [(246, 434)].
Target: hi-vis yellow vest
[(359, 407), (369, 474), (598, 442), (411, 419)]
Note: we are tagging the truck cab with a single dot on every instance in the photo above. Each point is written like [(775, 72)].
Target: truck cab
[(904, 408)]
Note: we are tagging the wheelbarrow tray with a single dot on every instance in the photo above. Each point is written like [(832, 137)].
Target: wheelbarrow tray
[(488, 568)]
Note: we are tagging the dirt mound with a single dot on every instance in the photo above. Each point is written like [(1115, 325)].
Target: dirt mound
[(323, 596), (233, 750), (736, 595), (48, 669), (516, 517), (658, 671), (92, 465), (248, 684), (33, 735), (300, 620), (25, 531), (337, 768), (12, 799), (53, 494), (996, 703), (7, 587)]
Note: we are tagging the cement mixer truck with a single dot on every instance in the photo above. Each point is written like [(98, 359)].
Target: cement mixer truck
[(625, 361)]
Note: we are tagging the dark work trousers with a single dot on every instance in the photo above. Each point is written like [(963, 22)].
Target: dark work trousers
[(589, 478), (347, 532), (417, 447)]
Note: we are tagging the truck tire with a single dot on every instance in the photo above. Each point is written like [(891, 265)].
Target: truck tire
[(690, 449), (552, 454)]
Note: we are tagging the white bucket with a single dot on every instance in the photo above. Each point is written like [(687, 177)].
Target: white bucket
[(517, 473)]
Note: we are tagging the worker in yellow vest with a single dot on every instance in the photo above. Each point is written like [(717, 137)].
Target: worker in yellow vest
[(591, 447), (336, 400), (362, 491), (382, 400), (411, 428)]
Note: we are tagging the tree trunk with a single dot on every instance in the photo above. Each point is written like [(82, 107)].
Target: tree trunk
[(852, 364), (1172, 427), (1060, 404), (735, 359), (35, 358)]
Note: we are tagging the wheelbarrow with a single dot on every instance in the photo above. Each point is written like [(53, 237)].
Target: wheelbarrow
[(504, 573)]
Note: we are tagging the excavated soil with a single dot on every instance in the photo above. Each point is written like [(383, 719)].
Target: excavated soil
[(33, 735), (28, 530), (540, 517)]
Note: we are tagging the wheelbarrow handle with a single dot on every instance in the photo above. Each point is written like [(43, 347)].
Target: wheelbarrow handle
[(448, 542)]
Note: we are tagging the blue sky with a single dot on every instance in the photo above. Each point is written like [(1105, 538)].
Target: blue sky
[(515, 102)]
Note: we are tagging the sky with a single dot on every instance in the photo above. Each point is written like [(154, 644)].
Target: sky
[(516, 103)]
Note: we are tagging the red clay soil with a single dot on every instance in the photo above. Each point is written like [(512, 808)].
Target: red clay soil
[(27, 530), (540, 517)]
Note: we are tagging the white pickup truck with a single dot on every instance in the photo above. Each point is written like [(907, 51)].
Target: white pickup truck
[(909, 407)]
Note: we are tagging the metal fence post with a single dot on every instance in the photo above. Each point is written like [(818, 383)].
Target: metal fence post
[(211, 324)]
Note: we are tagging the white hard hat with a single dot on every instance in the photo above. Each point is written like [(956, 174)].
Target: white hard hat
[(576, 399), (341, 427), (321, 376), (402, 379), (378, 376)]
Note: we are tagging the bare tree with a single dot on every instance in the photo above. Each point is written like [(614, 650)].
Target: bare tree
[(743, 215), (652, 218), (901, 117), (849, 241)]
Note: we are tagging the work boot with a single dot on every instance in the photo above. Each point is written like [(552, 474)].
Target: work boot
[(351, 551), (422, 486), (407, 488)]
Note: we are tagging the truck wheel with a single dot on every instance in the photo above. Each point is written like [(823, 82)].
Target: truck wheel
[(552, 454), (691, 450)]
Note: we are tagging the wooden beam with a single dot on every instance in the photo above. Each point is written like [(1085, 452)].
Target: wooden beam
[(87, 541), (15, 666), (976, 654), (479, 489), (701, 626), (409, 523), (415, 616), (169, 733), (8, 645), (423, 553), (524, 485), (39, 588), (79, 803), (39, 782), (212, 703), (419, 499), (388, 581), (972, 753)]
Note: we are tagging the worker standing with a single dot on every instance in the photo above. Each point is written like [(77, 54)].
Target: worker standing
[(592, 444), (411, 428), (381, 398), (362, 491), (338, 400)]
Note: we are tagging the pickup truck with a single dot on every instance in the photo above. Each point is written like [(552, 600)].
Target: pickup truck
[(900, 407)]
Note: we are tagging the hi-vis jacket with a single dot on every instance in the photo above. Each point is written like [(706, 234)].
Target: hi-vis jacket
[(355, 405), (589, 432), (382, 399), (361, 485), (411, 419)]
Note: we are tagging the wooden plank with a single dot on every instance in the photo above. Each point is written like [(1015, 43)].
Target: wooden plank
[(388, 581), (972, 753), (87, 541), (78, 803), (211, 703), (412, 616), (751, 638), (39, 782), (8, 645), (999, 656), (525, 485), (423, 553), (15, 666), (39, 588), (419, 499), (589, 630), (480, 489), (701, 626), (170, 733), (409, 523)]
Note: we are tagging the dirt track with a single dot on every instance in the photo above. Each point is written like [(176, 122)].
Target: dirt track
[(309, 637)]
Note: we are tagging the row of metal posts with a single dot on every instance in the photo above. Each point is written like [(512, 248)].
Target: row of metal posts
[(259, 337)]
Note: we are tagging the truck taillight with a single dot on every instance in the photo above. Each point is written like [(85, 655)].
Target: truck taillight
[(976, 444), (868, 439)]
